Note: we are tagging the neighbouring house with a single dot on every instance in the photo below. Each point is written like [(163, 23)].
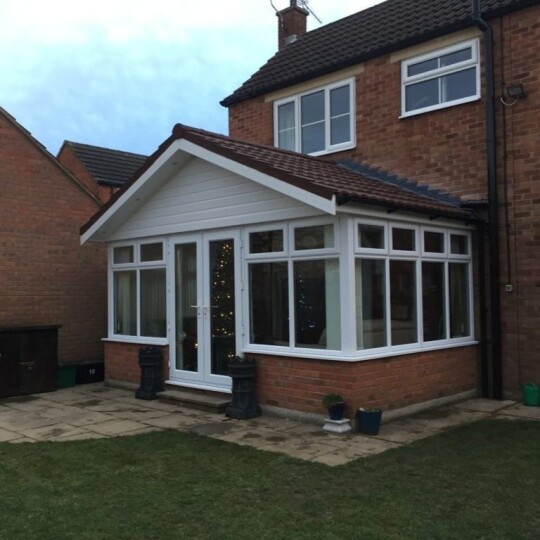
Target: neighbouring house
[(52, 289), (103, 170), (367, 228)]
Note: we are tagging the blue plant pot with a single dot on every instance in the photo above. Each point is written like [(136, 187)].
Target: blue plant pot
[(369, 422)]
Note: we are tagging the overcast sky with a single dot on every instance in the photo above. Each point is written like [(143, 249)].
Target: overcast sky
[(121, 73)]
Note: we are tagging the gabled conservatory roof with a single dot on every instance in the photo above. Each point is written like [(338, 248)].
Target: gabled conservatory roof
[(331, 181)]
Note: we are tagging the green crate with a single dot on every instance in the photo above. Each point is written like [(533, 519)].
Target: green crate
[(531, 395), (66, 376)]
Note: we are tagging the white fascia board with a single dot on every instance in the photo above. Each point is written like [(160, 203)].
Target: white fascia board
[(131, 192), (321, 203), (182, 146)]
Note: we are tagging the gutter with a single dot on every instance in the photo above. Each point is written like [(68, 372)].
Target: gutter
[(494, 389)]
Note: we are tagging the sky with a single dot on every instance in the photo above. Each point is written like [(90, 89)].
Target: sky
[(122, 73)]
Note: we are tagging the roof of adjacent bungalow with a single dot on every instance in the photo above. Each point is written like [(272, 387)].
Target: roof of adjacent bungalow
[(329, 184), (108, 167), (381, 29)]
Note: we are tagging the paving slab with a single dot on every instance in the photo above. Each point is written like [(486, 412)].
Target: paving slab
[(521, 411), (140, 415), (54, 432), (6, 435), (115, 427), (299, 448), (484, 405), (173, 421), (83, 418)]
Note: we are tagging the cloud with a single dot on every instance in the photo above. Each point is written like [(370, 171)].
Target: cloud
[(122, 73)]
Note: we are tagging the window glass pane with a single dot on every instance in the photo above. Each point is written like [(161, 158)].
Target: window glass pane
[(433, 301), (125, 303), (286, 140), (317, 237), (403, 239), (286, 116), (312, 107), (422, 67), (459, 244), (340, 129), (266, 241), (153, 317), (403, 302), (317, 304), (269, 303), (370, 303), (371, 236), (313, 138), (455, 57), (422, 94), (122, 255), (152, 252), (459, 300), (433, 242), (340, 101), (187, 331), (222, 305), (458, 85)]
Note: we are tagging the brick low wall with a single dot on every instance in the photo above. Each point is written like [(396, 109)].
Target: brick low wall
[(300, 384), (122, 362), (390, 383)]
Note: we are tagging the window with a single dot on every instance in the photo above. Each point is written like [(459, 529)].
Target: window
[(440, 79), (294, 294), (139, 290), (405, 298), (316, 122)]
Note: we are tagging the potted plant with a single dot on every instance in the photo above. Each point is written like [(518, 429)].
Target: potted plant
[(335, 405), (368, 420)]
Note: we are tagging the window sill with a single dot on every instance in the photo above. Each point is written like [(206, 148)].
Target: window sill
[(136, 340), (356, 357), (334, 150), (439, 107)]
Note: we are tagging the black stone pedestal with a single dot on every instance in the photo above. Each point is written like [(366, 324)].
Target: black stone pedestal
[(150, 364), (244, 402)]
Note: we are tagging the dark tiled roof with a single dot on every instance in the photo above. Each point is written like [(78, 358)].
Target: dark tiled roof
[(321, 177), (386, 27), (109, 167)]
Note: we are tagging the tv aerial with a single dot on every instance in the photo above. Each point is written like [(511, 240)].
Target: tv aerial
[(304, 4)]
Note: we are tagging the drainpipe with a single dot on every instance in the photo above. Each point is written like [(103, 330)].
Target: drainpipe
[(493, 208)]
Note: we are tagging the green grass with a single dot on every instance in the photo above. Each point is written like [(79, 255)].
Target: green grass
[(478, 481)]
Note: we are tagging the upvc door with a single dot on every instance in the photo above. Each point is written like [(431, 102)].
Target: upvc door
[(205, 308)]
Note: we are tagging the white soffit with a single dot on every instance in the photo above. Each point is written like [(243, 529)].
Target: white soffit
[(171, 162)]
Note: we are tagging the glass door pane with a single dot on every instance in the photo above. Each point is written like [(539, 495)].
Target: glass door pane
[(222, 305), (187, 310)]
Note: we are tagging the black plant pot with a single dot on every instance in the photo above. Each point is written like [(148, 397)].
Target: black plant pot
[(150, 364), (243, 404), (335, 412)]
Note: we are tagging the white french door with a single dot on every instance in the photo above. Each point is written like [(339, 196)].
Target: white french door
[(205, 308)]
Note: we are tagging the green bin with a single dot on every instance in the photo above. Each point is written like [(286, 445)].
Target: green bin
[(531, 395), (66, 376)]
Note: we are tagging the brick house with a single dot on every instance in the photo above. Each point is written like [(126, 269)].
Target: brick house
[(102, 170), (47, 279), (343, 234)]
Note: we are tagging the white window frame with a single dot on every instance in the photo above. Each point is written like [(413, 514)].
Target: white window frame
[(290, 256), (437, 73), (296, 99), (418, 257), (136, 266)]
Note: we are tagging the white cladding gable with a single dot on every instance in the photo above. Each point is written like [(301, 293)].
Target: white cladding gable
[(203, 196)]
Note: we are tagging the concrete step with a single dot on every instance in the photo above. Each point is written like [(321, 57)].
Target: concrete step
[(192, 399)]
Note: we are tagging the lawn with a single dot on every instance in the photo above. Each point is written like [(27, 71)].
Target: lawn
[(478, 481)]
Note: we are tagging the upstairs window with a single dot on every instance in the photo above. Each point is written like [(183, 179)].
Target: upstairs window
[(316, 122), (442, 78)]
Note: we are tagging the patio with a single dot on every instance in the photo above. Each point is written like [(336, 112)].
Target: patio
[(97, 411)]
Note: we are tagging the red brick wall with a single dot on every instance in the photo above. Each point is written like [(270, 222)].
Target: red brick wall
[(73, 164), (447, 149), (46, 276), (390, 383), (122, 362)]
